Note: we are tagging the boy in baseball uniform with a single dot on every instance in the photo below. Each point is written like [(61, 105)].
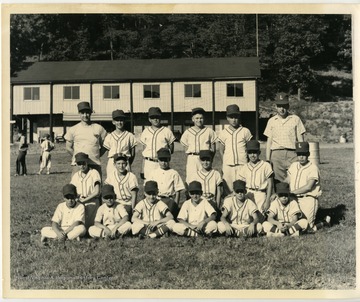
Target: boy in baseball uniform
[(284, 215), (87, 182), (154, 138), (112, 220), (210, 179), (196, 138), (240, 215), (119, 141), (197, 216), (169, 181), (232, 146), (46, 147), (68, 219), (151, 217), (257, 175), (124, 182)]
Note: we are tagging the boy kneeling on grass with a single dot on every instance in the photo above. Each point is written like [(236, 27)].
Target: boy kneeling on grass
[(284, 215), (151, 218), (68, 220), (197, 216), (112, 219), (240, 215)]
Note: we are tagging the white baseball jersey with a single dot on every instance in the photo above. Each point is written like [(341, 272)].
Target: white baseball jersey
[(234, 141), (85, 185), (198, 139), (120, 143), (169, 181), (112, 215), (255, 175), (151, 212), (299, 175), (153, 140), (239, 212), (65, 216), (195, 214), (209, 180), (123, 186), (87, 139), (282, 213), (47, 146)]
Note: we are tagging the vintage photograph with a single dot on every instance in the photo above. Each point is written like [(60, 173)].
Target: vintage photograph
[(183, 150)]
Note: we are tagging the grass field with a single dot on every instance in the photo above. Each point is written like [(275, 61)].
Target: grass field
[(325, 260)]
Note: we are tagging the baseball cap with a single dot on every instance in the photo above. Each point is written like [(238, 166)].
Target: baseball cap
[(120, 156), (239, 185), (69, 189), (282, 188), (81, 157), (252, 145), (195, 186), (233, 110), (282, 99), (84, 106), (108, 190), (205, 154), (151, 186), (118, 114), (154, 111), (302, 147), (197, 110), (163, 153)]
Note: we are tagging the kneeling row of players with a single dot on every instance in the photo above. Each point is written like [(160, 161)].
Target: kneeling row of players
[(152, 218)]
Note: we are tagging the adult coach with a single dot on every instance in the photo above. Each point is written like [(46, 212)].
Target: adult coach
[(86, 137), (283, 131)]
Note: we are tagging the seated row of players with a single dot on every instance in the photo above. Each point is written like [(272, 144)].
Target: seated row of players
[(242, 213)]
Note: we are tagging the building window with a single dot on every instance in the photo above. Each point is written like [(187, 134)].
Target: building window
[(193, 90), (111, 92), (235, 90), (72, 93), (151, 91), (31, 93)]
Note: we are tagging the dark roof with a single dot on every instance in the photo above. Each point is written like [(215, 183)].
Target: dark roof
[(140, 70)]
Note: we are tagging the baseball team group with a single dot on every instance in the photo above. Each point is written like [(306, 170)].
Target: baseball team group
[(275, 197)]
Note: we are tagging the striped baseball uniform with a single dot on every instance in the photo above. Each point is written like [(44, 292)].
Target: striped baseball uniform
[(298, 176), (234, 142), (46, 147), (194, 140)]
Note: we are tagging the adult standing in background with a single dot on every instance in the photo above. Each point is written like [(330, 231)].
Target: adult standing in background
[(87, 137), (283, 131)]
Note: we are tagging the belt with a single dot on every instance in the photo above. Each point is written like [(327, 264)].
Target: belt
[(151, 159), (257, 190), (283, 149), (193, 153), (305, 195)]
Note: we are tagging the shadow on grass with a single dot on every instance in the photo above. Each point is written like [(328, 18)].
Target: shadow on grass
[(336, 213)]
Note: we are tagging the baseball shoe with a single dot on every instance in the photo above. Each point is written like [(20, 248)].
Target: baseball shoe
[(327, 221), (271, 234), (16, 174), (38, 173), (24, 174), (78, 238), (47, 172), (296, 234), (141, 236)]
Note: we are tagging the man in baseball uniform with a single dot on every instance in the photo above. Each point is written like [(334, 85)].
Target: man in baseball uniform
[(154, 138), (240, 215), (283, 131), (124, 182), (257, 175), (119, 141), (87, 182), (112, 220), (169, 181), (284, 215), (87, 137), (197, 216), (151, 217), (196, 138), (46, 147), (232, 140), (68, 219)]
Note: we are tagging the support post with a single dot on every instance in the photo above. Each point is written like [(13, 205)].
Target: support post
[(51, 111), (213, 104), (172, 106), (131, 107)]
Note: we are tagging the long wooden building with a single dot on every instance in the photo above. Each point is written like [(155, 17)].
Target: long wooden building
[(46, 93)]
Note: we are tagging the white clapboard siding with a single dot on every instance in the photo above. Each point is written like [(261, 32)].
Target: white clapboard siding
[(41, 106), (69, 106), (143, 105), (102, 105)]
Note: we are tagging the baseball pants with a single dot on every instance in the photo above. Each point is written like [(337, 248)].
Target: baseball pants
[(149, 166), (90, 212), (309, 206), (182, 230), (240, 230), (258, 197), (136, 227), (193, 164), (172, 205), (300, 225), (230, 174), (45, 161), (78, 231), (97, 232), (281, 161)]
